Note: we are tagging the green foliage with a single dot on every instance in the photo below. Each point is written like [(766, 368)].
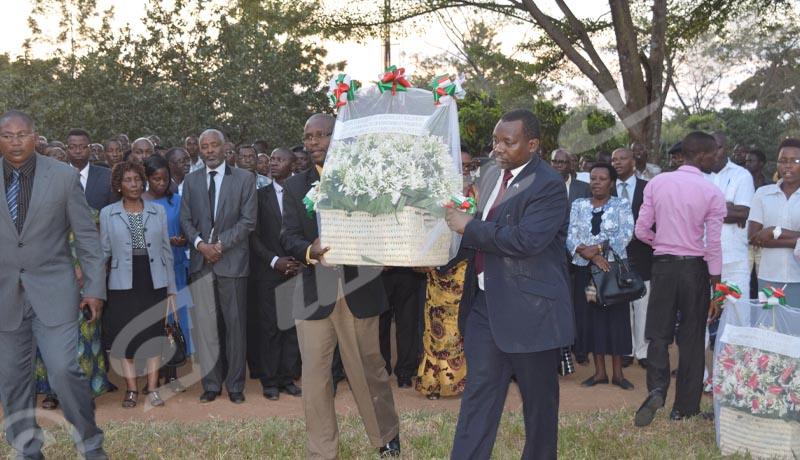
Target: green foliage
[(477, 115), (590, 130), (252, 70)]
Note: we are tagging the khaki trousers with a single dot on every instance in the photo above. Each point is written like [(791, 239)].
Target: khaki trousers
[(366, 375)]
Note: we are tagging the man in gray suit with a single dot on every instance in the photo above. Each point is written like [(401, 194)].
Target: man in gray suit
[(218, 212), (42, 201)]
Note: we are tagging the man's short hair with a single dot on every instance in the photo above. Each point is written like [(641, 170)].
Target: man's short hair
[(247, 146), (677, 148), (18, 114), (698, 142), (298, 148), (789, 142), (762, 157), (530, 122), (79, 133), (174, 151)]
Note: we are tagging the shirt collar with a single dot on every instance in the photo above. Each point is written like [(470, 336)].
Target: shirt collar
[(278, 187), (85, 171), (777, 189), (631, 181), (515, 172), (691, 169), (220, 169), (26, 169)]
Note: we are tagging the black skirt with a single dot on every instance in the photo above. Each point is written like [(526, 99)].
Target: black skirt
[(599, 330), (134, 318)]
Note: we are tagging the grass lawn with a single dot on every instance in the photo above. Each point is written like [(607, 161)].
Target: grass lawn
[(424, 435)]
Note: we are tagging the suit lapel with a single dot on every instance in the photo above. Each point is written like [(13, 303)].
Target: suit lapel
[(224, 190), (521, 182), (41, 187), (91, 181), (487, 185), (272, 202), (5, 214)]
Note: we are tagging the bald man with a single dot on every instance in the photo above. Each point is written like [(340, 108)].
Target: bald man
[(218, 212)]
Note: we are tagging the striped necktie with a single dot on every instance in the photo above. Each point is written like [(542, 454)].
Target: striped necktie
[(12, 196)]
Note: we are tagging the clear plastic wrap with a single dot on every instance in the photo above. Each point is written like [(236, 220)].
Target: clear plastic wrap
[(757, 380), (394, 160)]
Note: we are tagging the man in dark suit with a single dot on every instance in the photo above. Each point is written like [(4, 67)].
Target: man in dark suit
[(218, 212), (95, 180), (275, 353), (560, 160), (516, 312), (641, 255), (41, 202), (340, 304)]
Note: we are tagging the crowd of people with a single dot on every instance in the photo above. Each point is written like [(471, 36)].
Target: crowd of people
[(221, 229)]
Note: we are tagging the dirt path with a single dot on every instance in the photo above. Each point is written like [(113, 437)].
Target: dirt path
[(186, 407)]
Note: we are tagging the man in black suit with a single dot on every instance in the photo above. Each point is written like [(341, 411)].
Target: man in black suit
[(561, 162), (641, 255), (95, 180), (335, 311), (516, 312), (275, 353)]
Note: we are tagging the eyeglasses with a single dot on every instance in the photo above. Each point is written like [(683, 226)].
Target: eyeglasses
[(559, 162), (793, 161), (16, 137), (315, 137)]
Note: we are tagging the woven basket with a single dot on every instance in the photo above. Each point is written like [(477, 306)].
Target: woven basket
[(765, 438), (396, 239)]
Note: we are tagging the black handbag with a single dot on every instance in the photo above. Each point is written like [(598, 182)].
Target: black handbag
[(621, 284), (173, 350)]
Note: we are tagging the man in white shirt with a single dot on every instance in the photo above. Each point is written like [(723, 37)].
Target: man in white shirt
[(643, 170), (95, 181), (736, 184), (192, 147)]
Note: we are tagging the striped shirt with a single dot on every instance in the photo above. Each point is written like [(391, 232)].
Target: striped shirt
[(26, 173)]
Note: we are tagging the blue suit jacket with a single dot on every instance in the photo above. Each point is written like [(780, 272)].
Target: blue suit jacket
[(525, 278)]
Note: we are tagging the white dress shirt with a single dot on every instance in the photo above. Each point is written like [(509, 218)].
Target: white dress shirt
[(631, 181), (84, 173), (736, 184), (583, 177), (195, 166), (490, 202), (650, 171), (771, 208), (218, 184), (279, 196)]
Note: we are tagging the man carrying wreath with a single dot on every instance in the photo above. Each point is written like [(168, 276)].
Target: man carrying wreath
[(341, 305)]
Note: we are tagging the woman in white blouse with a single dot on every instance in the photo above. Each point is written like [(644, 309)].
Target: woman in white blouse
[(775, 224)]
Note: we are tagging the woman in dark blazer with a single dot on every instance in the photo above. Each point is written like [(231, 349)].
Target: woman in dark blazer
[(137, 251)]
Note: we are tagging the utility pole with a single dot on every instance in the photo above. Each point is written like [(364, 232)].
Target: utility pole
[(387, 36)]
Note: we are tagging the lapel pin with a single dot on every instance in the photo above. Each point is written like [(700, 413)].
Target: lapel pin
[(515, 186)]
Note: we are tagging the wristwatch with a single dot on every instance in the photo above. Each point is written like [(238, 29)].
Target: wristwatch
[(776, 232)]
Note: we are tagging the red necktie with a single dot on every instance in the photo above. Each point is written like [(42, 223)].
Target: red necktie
[(507, 175)]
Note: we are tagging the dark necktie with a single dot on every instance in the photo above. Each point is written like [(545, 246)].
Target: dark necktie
[(507, 175), (212, 193), (12, 197)]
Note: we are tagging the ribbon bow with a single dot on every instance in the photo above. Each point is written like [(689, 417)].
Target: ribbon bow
[(771, 296), (461, 202), (342, 88), (444, 86), (310, 200), (725, 291), (395, 79)]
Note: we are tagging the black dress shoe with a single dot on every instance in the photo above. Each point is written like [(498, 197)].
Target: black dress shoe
[(677, 415), (403, 382), (292, 390), (647, 411), (591, 381), (643, 363), (624, 384), (236, 398), (209, 396), (627, 361), (391, 449), (271, 393)]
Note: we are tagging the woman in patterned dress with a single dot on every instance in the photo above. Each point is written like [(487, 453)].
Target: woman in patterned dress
[(442, 370)]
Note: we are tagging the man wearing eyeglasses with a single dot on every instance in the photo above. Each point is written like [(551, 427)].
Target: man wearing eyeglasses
[(340, 305), (560, 160), (43, 203), (230, 154), (95, 180)]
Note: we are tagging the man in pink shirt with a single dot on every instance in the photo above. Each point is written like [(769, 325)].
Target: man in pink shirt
[(687, 212)]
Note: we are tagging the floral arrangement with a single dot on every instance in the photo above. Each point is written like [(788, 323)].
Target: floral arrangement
[(381, 173), (762, 383)]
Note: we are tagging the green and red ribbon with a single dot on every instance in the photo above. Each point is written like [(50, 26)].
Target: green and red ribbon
[(393, 79), (342, 88), (461, 203), (725, 291), (771, 296), (445, 85)]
